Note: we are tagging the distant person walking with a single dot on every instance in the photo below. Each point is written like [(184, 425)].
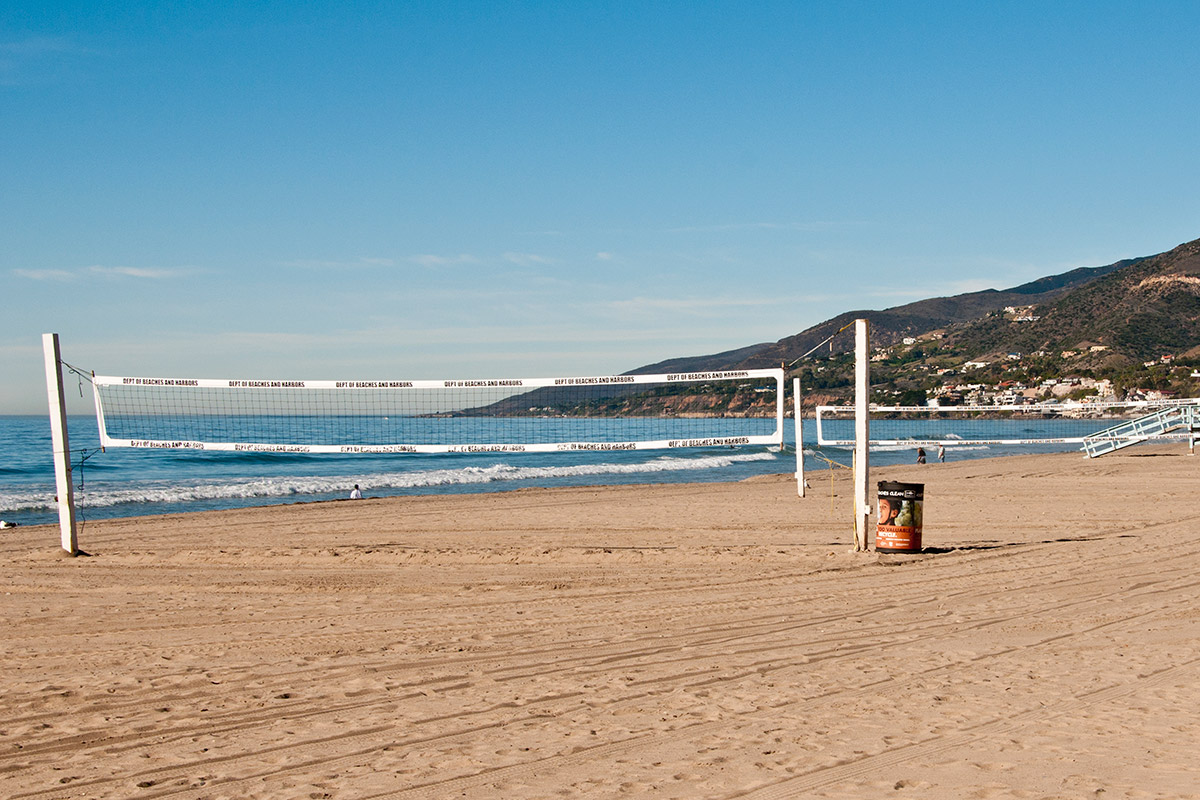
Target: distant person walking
[(920, 455), (941, 453), (356, 493)]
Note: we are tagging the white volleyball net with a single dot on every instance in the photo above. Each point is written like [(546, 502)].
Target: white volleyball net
[(615, 412), (951, 426)]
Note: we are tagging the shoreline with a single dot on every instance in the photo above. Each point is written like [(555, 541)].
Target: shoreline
[(666, 640), (826, 483)]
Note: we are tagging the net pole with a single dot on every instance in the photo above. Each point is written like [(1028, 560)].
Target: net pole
[(799, 436), (60, 444), (780, 403), (862, 466)]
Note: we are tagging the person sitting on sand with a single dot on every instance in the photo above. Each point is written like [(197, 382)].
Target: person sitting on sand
[(356, 493)]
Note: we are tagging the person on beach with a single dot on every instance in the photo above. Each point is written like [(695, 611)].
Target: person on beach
[(356, 493), (920, 455), (941, 453)]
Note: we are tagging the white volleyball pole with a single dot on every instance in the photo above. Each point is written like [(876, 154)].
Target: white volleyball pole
[(59, 440), (796, 407), (862, 465)]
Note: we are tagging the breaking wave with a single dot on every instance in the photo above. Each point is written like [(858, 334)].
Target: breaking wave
[(298, 486)]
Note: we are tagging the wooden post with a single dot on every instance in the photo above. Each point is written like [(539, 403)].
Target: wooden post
[(61, 445), (862, 431)]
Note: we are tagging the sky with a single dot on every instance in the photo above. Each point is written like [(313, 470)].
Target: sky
[(429, 190)]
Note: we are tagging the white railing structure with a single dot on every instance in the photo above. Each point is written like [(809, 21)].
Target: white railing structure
[(614, 412), (1157, 425)]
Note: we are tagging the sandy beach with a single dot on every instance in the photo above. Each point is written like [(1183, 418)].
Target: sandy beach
[(673, 641)]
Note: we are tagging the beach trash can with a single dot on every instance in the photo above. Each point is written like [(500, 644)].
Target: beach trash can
[(901, 507)]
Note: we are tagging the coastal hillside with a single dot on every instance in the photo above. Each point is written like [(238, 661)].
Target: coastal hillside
[(1144, 310), (1122, 330), (892, 325), (1130, 326)]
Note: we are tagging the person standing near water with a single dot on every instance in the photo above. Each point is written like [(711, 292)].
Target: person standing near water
[(941, 453), (356, 493), (920, 455)]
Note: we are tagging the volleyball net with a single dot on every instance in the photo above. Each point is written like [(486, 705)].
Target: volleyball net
[(615, 412), (951, 426)]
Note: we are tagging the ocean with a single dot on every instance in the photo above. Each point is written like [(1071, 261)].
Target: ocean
[(133, 482)]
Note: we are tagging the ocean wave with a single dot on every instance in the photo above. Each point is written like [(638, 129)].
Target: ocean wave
[(175, 492)]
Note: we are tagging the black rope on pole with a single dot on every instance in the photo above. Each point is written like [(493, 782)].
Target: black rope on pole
[(83, 375), (84, 455)]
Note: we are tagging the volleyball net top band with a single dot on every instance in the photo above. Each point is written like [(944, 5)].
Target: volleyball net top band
[(614, 412)]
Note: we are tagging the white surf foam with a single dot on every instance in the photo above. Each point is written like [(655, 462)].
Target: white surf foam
[(153, 492)]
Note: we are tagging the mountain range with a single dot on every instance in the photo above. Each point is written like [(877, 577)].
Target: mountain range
[(1135, 309), (1124, 321)]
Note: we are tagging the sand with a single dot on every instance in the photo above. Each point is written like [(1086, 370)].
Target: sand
[(690, 641)]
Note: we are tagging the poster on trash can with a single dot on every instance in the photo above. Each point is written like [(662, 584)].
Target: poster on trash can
[(901, 508)]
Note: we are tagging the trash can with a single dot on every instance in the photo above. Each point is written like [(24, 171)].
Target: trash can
[(901, 506)]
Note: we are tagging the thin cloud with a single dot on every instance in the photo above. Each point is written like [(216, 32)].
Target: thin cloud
[(604, 256), (140, 273), (749, 226), (430, 260), (542, 233), (145, 273), (527, 259), (37, 59), (692, 305), (37, 46), (358, 263), (45, 274)]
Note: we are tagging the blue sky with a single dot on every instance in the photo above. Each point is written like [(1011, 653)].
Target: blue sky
[(476, 190)]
